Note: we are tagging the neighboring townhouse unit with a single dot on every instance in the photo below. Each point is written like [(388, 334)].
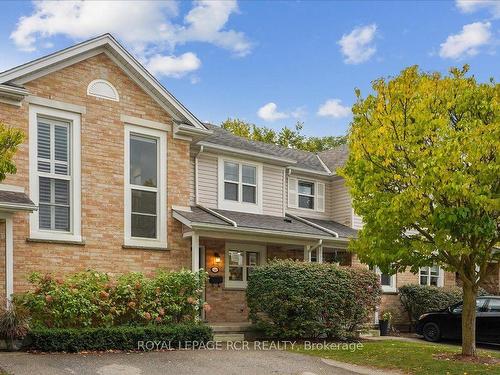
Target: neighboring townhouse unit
[(117, 175)]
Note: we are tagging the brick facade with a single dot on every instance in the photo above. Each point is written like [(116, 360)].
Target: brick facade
[(102, 178)]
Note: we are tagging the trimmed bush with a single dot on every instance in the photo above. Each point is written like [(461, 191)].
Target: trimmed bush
[(94, 299), (419, 299), (289, 299), (120, 338)]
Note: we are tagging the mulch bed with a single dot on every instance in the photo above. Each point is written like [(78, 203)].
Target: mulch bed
[(466, 359)]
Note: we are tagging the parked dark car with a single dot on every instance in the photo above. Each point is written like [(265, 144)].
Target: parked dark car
[(447, 323)]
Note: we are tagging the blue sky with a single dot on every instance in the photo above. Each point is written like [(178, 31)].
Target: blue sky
[(271, 63)]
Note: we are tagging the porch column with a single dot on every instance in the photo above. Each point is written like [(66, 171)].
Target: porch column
[(320, 254), (307, 253), (195, 252)]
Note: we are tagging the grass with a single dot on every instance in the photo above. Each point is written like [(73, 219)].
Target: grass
[(409, 357)]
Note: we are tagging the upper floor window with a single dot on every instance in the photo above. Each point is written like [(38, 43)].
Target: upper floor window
[(239, 187), (55, 173), (306, 194), (145, 203), (431, 276)]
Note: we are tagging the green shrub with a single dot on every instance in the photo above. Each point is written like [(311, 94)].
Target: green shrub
[(419, 299), (93, 299), (118, 338), (289, 299)]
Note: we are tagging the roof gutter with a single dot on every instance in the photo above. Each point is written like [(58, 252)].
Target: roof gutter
[(218, 215), (256, 155), (12, 95), (310, 171), (317, 226)]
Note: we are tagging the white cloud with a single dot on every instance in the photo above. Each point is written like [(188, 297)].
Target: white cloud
[(471, 6), (173, 66), (357, 46), (269, 112), (467, 42), (147, 27), (334, 108)]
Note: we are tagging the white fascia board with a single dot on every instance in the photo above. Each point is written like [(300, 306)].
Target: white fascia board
[(253, 231), (243, 153), (95, 46), (14, 207)]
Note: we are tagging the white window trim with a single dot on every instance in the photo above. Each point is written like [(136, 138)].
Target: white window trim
[(440, 281), (161, 240), (241, 206), (75, 172), (231, 284), (387, 288), (315, 196)]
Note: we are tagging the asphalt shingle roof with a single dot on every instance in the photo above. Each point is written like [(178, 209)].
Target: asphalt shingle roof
[(14, 197), (335, 158), (304, 159), (267, 222)]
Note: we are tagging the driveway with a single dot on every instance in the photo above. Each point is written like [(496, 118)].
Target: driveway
[(203, 362)]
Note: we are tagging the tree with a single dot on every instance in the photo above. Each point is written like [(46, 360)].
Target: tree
[(286, 137), (10, 139), (424, 175)]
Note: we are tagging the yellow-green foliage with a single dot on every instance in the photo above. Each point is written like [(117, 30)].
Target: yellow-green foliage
[(424, 173)]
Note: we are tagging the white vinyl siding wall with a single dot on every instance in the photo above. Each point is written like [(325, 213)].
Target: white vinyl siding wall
[(272, 191), (357, 222), (207, 180), (341, 202), (272, 185)]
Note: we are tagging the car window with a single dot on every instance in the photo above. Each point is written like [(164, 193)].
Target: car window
[(494, 305), (479, 304)]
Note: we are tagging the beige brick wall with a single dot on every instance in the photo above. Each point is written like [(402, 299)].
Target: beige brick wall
[(102, 152)]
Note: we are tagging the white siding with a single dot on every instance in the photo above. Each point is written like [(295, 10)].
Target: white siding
[(207, 180), (272, 190), (311, 213), (357, 222), (341, 202)]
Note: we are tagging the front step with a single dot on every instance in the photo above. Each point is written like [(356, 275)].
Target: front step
[(229, 337), (230, 332)]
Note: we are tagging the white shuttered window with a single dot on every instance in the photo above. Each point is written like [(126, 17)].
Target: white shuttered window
[(54, 174)]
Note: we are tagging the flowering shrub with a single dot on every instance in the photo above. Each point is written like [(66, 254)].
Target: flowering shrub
[(289, 299), (94, 299)]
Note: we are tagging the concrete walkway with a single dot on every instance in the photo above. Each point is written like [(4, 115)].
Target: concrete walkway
[(181, 362)]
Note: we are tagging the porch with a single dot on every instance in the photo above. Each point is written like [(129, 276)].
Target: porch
[(229, 245)]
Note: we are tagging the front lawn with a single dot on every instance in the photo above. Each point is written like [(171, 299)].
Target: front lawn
[(410, 357)]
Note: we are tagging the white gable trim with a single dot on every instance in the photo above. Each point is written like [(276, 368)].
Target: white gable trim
[(104, 43)]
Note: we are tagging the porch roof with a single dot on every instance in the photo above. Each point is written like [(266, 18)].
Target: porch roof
[(15, 201), (200, 216)]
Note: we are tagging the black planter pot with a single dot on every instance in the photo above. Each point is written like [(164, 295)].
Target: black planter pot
[(384, 327)]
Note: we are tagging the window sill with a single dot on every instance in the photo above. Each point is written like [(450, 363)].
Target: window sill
[(62, 242), (140, 247)]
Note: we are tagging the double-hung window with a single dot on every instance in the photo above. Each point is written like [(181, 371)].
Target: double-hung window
[(306, 195), (55, 174), (145, 175), (241, 260), (239, 187), (431, 276)]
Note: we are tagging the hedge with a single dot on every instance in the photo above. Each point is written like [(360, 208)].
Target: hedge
[(95, 299), (419, 299), (118, 338), (290, 299)]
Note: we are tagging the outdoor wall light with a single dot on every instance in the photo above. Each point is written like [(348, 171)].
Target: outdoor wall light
[(216, 258)]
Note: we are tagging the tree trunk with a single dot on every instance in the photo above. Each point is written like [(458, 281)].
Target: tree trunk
[(469, 320)]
